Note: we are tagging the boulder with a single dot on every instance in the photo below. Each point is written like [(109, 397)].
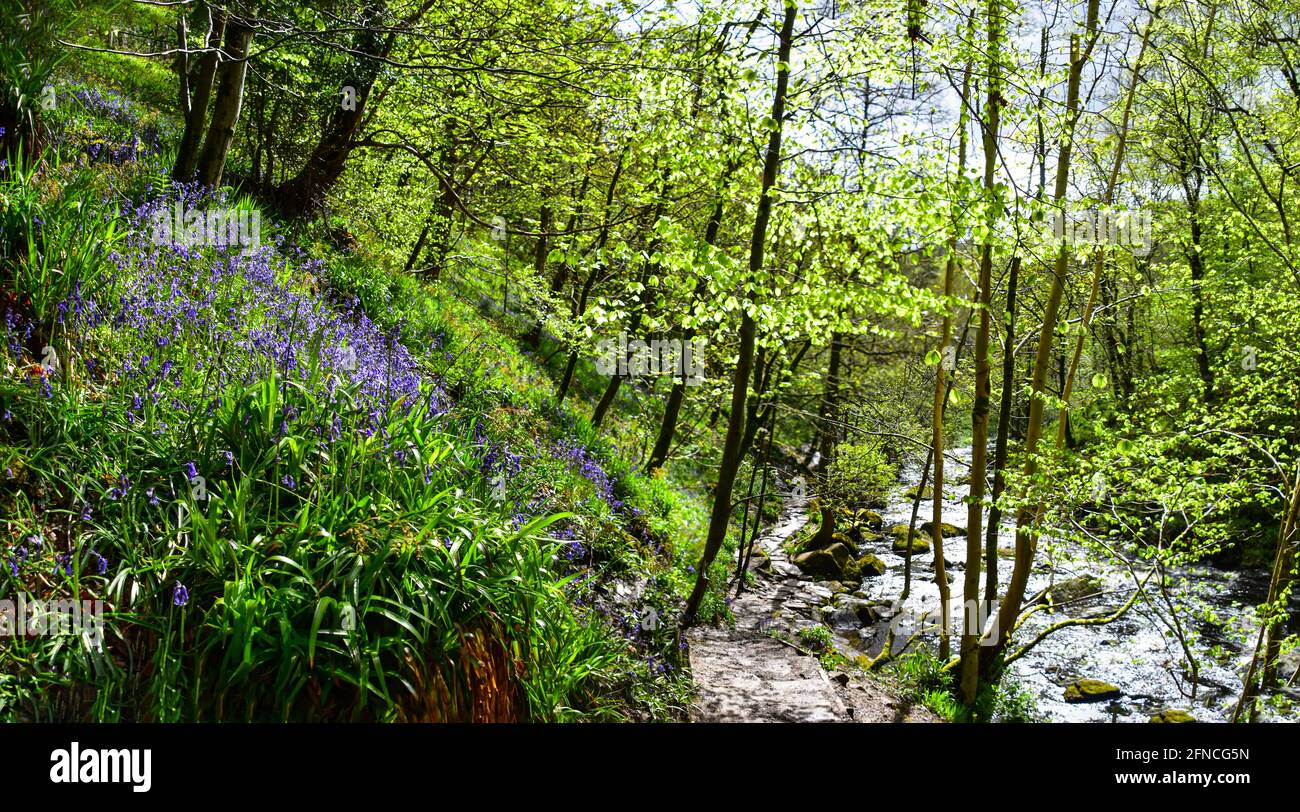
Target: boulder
[(910, 493), (946, 529), (919, 543), (870, 566), (1071, 589), (838, 537), (860, 534), (869, 519), (840, 619), (826, 563), (1091, 690), (1173, 716), (850, 613)]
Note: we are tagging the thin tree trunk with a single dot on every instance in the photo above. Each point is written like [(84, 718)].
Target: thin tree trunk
[(830, 404), (1000, 445), (572, 364), (1028, 516), (543, 248), (1196, 264), (183, 65), (970, 635), (941, 392), (580, 307), (1281, 574), (444, 209), (925, 474), (672, 410), (648, 269), (1099, 258), (419, 243), (747, 549), (720, 516)]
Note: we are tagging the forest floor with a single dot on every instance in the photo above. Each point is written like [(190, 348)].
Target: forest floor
[(752, 672)]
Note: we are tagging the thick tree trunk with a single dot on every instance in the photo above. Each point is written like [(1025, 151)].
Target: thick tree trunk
[(304, 194), (226, 105), (720, 516), (195, 108)]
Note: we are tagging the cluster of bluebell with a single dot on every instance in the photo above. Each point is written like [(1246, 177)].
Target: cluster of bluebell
[(590, 468), (203, 321), (134, 140)]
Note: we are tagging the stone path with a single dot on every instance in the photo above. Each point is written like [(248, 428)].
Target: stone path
[(744, 674)]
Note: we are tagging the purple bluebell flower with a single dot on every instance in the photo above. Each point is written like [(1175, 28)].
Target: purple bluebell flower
[(123, 485)]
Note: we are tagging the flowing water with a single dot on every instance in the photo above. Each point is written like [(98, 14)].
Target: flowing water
[(1139, 653)]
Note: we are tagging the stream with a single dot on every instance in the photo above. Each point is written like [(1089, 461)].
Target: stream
[(1138, 653)]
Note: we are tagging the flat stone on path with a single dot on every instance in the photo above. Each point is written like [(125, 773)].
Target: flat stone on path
[(747, 677)]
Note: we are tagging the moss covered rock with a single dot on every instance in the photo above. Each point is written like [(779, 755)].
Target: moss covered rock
[(919, 543), (813, 543), (1071, 589), (825, 563), (862, 535), (900, 531), (1173, 716), (947, 530), (870, 566), (919, 546), (869, 519), (928, 493), (1091, 690)]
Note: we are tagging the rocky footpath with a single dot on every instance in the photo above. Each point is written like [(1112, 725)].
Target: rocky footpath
[(758, 671)]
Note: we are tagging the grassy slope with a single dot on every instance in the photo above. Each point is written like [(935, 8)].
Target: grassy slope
[(303, 486)]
